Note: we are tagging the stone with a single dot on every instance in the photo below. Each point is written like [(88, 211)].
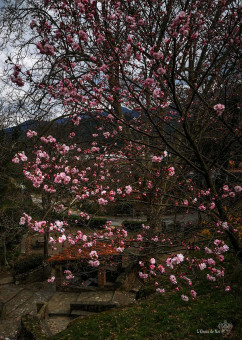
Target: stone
[(59, 304), (19, 301), (8, 292), (6, 280)]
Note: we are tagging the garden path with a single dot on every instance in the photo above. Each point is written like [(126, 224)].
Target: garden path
[(19, 300)]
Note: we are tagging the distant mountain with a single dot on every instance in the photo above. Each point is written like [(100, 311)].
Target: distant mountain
[(34, 124), (27, 125)]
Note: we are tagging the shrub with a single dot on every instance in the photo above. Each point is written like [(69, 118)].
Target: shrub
[(97, 222), (94, 222), (28, 263), (133, 225)]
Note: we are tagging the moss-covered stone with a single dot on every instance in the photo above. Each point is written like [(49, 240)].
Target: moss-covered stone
[(31, 329)]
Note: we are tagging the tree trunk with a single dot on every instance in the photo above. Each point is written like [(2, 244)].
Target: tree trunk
[(46, 244), (5, 262), (46, 203)]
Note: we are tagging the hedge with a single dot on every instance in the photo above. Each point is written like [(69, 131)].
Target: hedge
[(133, 225), (97, 222), (93, 222), (28, 263)]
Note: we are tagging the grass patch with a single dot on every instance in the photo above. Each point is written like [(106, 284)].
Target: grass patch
[(165, 317)]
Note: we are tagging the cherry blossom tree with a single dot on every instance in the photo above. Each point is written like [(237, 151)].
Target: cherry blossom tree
[(174, 65)]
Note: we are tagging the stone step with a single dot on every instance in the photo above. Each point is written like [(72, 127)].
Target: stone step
[(6, 280), (98, 296), (8, 292), (20, 301), (93, 306), (78, 313), (59, 304)]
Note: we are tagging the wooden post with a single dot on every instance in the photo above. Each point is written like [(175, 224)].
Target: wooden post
[(28, 246), (46, 244), (58, 275), (101, 277), (124, 261)]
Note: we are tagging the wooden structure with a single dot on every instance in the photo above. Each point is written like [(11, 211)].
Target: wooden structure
[(104, 249)]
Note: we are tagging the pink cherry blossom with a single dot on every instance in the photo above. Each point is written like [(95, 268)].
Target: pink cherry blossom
[(102, 201), (219, 108), (31, 133), (173, 279), (143, 276), (238, 188), (128, 189), (193, 293), (171, 171), (202, 266), (95, 263), (160, 290), (51, 280), (184, 297), (152, 261), (93, 254)]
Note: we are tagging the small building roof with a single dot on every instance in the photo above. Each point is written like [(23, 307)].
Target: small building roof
[(78, 252)]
